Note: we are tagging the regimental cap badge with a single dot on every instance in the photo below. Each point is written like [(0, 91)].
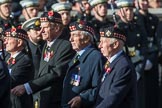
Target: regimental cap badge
[(13, 31), (108, 33), (81, 24), (51, 16), (113, 32), (16, 32)]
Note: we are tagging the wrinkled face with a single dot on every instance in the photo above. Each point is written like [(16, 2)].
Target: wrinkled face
[(34, 35), (5, 9), (12, 44), (101, 9), (65, 15), (106, 46), (30, 12), (77, 40), (48, 31), (127, 13)]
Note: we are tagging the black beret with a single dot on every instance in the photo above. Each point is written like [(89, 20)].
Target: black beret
[(83, 26), (16, 33), (113, 32), (51, 16)]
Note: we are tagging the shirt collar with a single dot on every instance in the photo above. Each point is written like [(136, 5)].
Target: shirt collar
[(14, 56), (115, 56), (50, 43), (83, 50)]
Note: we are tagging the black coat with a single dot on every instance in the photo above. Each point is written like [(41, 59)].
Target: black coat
[(21, 71), (48, 85)]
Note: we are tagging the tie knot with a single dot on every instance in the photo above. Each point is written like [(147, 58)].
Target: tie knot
[(107, 64), (11, 60), (107, 67), (48, 48)]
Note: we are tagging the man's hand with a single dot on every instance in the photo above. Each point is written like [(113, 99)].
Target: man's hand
[(75, 102), (18, 90)]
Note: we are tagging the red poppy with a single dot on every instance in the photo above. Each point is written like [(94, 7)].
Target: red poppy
[(50, 13), (108, 70), (82, 22), (13, 29), (13, 61)]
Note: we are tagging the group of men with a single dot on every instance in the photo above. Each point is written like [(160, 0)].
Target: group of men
[(86, 60)]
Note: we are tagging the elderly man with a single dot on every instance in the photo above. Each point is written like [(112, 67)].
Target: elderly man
[(19, 64), (82, 76), (117, 88), (30, 8), (56, 55)]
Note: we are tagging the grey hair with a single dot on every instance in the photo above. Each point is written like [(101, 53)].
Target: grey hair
[(121, 43), (85, 33)]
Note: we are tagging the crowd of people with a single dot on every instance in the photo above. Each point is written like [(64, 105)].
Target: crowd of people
[(70, 54)]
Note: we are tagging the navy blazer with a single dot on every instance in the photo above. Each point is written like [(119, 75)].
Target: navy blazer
[(88, 67), (118, 90)]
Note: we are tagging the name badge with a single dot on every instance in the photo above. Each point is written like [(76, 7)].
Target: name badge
[(75, 80)]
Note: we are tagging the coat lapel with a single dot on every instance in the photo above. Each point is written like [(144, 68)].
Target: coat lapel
[(81, 59), (54, 48)]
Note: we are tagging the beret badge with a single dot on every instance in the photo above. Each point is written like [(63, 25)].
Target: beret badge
[(13, 32), (108, 33), (81, 24), (50, 14)]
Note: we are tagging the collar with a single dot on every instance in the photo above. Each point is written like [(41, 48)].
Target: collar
[(115, 56), (14, 56), (50, 43), (83, 50)]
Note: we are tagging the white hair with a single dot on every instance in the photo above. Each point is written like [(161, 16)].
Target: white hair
[(85, 33)]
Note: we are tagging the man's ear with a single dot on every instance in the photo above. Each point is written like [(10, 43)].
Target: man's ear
[(20, 42), (116, 44)]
